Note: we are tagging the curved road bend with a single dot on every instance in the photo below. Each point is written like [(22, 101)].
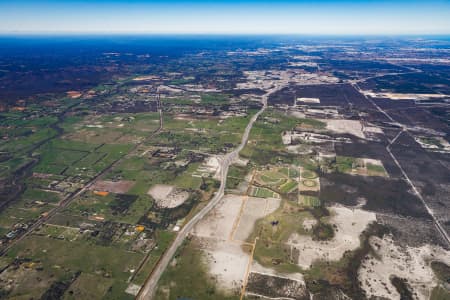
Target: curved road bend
[(149, 288)]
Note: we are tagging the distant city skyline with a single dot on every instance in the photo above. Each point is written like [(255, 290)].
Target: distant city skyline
[(326, 17)]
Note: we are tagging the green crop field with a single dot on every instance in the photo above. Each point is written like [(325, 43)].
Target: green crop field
[(262, 192), (288, 186), (309, 201)]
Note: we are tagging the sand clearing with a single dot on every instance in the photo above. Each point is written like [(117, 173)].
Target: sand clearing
[(255, 208), (226, 259), (349, 222), (168, 196), (227, 262), (353, 127), (410, 263), (211, 166), (219, 222)]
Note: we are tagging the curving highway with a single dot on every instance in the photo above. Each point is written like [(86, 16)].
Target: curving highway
[(149, 287)]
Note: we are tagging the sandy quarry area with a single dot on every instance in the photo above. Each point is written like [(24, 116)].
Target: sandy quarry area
[(117, 187), (167, 196), (234, 215), (353, 127), (210, 166), (349, 222), (412, 264)]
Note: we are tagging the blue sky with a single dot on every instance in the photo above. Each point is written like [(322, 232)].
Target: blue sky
[(223, 17)]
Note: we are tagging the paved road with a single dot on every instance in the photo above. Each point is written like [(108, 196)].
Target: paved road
[(149, 288)]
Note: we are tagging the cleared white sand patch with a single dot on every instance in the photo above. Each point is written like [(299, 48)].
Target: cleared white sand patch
[(307, 100), (373, 129), (296, 114), (226, 259), (404, 96), (353, 127), (372, 161), (308, 224), (168, 196), (349, 223), (211, 166), (227, 263), (159, 191), (219, 222), (254, 209), (272, 205), (412, 264)]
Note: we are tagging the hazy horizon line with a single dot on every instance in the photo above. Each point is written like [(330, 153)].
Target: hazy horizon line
[(161, 33)]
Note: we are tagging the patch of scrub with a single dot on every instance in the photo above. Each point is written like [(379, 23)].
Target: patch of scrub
[(412, 264), (168, 196), (257, 268), (348, 224), (276, 287)]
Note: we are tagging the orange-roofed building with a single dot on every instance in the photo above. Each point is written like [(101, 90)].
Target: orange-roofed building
[(101, 193), (140, 228)]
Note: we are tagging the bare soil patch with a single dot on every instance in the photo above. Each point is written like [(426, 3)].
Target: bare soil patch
[(343, 126), (255, 208), (219, 222), (168, 196), (117, 187)]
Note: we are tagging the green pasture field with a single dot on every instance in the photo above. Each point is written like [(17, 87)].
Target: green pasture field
[(81, 256), (265, 145), (236, 175)]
